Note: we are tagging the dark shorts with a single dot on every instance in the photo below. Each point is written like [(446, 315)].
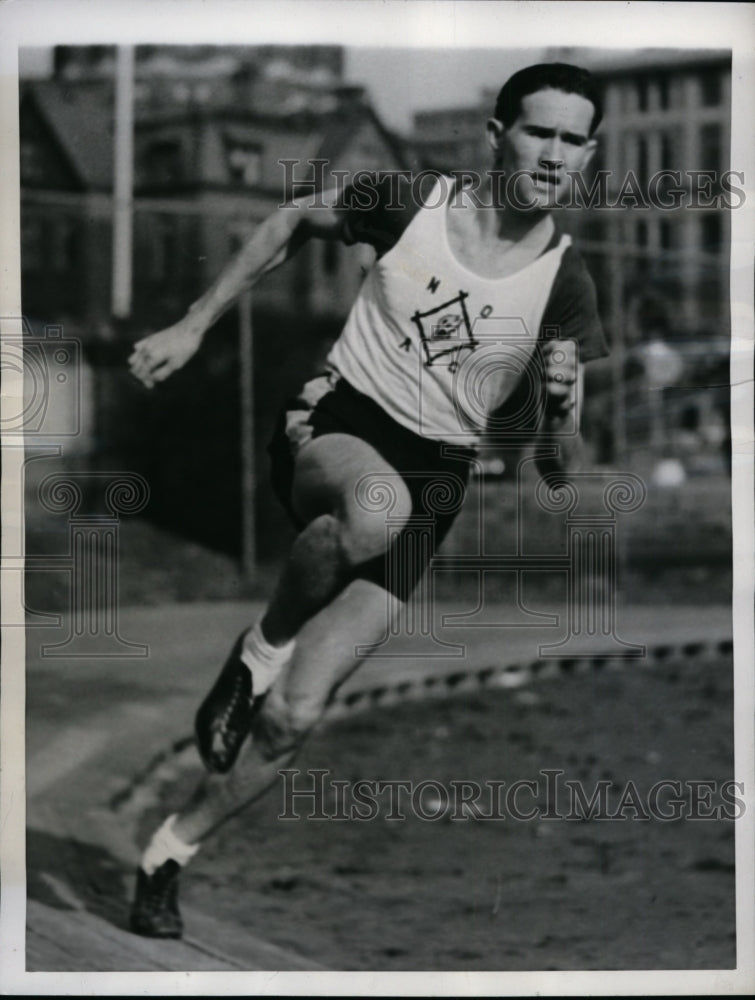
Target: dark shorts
[(435, 473)]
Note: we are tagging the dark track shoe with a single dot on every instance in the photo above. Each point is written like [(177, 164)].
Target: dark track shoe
[(154, 912), (224, 718)]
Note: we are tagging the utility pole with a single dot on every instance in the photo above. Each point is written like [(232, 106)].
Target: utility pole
[(123, 182)]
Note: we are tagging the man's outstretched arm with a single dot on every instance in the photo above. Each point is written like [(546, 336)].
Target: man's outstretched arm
[(276, 239), (559, 444)]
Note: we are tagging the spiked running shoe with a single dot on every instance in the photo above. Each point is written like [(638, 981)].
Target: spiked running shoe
[(224, 719), (154, 912)]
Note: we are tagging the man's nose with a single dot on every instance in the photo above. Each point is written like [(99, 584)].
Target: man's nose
[(552, 155)]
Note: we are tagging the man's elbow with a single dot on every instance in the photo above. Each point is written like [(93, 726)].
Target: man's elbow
[(282, 233), (318, 217), (287, 221)]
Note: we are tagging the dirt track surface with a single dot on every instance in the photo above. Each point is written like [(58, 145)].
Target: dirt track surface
[(499, 894), (384, 895)]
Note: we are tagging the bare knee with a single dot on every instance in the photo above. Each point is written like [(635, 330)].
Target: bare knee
[(283, 723), (350, 537), (367, 533)]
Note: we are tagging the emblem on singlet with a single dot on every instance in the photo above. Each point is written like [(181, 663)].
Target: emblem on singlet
[(445, 331)]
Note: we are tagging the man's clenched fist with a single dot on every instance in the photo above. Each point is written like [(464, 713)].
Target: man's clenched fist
[(561, 362), (156, 357)]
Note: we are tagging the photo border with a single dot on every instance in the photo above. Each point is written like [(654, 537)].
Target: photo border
[(426, 25)]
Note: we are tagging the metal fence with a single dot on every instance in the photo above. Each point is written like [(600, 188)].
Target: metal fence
[(657, 406)]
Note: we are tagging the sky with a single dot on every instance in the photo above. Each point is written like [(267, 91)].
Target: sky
[(402, 81)]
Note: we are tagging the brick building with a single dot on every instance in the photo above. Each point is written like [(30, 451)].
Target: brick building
[(660, 257), (206, 171), (662, 273)]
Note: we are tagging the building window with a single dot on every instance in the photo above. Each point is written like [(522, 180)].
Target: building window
[(32, 245), (663, 93), (32, 168), (712, 232), (666, 235), (142, 92), (627, 97), (642, 95), (642, 161), (202, 93), (711, 151), (710, 88), (245, 164), (667, 156), (642, 233), (163, 162), (181, 92)]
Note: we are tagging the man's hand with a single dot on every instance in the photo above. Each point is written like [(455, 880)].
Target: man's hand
[(156, 357), (561, 369), (274, 240), (559, 442)]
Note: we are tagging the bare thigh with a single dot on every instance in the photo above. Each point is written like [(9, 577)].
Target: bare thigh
[(342, 475)]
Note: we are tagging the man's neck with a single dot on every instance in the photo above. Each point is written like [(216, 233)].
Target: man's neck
[(492, 242), (500, 221)]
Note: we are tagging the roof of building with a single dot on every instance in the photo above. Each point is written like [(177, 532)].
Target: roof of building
[(80, 117), (81, 121), (342, 126), (607, 62)]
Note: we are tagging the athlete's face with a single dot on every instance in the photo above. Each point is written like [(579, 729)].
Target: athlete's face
[(550, 138)]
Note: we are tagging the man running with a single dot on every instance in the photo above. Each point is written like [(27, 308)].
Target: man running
[(452, 328)]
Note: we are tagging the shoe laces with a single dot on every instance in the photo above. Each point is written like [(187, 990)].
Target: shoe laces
[(162, 885), (236, 703)]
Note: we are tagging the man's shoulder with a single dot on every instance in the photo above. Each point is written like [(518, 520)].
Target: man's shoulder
[(573, 266), (380, 205), (573, 282)]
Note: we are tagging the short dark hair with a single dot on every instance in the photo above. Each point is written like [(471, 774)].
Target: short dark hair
[(547, 76)]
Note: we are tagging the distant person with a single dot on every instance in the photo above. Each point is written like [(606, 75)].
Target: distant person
[(410, 386)]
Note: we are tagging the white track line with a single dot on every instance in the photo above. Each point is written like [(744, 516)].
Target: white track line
[(76, 744), (66, 752)]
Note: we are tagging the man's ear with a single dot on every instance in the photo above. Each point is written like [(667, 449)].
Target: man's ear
[(495, 130), (588, 151)]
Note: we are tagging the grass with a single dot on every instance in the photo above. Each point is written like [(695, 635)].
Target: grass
[(675, 548)]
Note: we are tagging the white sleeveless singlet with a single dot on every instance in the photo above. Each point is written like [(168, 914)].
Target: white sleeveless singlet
[(435, 345)]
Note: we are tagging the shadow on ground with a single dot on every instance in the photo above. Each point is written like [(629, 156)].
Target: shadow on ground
[(68, 874)]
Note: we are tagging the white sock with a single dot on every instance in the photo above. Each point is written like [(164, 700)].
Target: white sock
[(264, 661), (164, 845)]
